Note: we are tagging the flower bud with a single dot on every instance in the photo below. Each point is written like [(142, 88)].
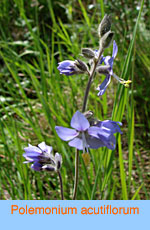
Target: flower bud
[(82, 66), (88, 53), (90, 117), (88, 114), (103, 69), (104, 26), (106, 39)]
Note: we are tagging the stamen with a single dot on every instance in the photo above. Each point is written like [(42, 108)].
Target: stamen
[(122, 81), (86, 158), (85, 145)]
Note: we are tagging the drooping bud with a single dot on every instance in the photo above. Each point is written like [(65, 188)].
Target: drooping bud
[(88, 53), (103, 69), (106, 39), (82, 66), (104, 26)]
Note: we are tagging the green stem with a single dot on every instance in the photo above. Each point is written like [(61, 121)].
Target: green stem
[(61, 185)]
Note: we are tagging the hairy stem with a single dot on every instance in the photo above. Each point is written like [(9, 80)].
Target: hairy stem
[(87, 90), (76, 174), (96, 61), (61, 185)]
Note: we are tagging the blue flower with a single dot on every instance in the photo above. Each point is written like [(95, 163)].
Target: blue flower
[(102, 88), (72, 67), (109, 61), (110, 127), (113, 126), (67, 67), (84, 136), (42, 157)]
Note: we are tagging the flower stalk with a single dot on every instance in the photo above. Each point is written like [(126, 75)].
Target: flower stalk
[(87, 90), (101, 50), (61, 185), (86, 133), (76, 174)]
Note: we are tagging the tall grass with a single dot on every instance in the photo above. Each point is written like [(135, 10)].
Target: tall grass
[(35, 98)]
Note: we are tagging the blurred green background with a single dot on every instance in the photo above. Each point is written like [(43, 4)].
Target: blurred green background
[(34, 36)]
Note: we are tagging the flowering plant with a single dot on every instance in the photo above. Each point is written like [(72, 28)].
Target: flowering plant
[(86, 132)]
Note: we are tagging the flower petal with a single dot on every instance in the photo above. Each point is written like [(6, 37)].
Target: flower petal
[(102, 133), (28, 160), (94, 143), (66, 134), (67, 72), (31, 157), (66, 64), (112, 125), (77, 143), (32, 149), (45, 148), (111, 144), (36, 166), (115, 49), (102, 88), (108, 141), (109, 61), (67, 67), (106, 60), (58, 159), (79, 122), (94, 131)]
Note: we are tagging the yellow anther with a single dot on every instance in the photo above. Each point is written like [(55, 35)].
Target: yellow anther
[(125, 83), (128, 81), (86, 158)]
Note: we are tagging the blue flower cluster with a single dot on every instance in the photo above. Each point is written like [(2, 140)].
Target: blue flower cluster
[(86, 132)]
